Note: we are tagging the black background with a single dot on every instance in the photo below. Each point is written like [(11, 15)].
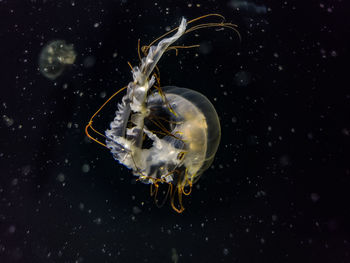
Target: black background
[(278, 190)]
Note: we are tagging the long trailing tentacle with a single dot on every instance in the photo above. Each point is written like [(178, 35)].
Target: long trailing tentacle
[(176, 48), (89, 125), (222, 24)]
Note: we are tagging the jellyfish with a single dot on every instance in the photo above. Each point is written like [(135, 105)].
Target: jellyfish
[(54, 58), (165, 135)]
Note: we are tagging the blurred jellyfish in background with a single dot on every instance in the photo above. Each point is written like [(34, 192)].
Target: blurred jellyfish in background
[(243, 78), (55, 57), (248, 6)]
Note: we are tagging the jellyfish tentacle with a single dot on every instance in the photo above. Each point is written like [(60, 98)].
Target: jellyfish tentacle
[(187, 181), (165, 131), (132, 68), (222, 25), (169, 121), (159, 205), (155, 191), (189, 191), (92, 138), (179, 199), (97, 132), (146, 48), (138, 50), (176, 48), (164, 98), (89, 125)]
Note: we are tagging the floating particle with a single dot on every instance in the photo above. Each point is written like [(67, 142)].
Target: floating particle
[(314, 197), (136, 210), (8, 121), (89, 62), (61, 177), (243, 78), (174, 255), (85, 168), (12, 229)]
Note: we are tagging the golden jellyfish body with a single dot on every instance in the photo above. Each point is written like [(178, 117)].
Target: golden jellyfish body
[(165, 135)]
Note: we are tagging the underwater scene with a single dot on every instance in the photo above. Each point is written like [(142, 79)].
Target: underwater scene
[(174, 131)]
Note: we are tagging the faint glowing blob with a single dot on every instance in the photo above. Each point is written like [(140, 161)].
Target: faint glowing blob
[(248, 6), (89, 62), (61, 178), (243, 78), (55, 57), (85, 168), (7, 120)]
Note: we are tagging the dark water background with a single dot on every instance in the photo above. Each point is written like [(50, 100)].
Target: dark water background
[(278, 190)]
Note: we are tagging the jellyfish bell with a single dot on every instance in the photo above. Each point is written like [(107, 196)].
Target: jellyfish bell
[(191, 129), (165, 135), (54, 58)]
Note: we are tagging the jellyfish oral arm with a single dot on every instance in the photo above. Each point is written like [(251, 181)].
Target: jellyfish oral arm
[(141, 83), (149, 62), (128, 150)]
